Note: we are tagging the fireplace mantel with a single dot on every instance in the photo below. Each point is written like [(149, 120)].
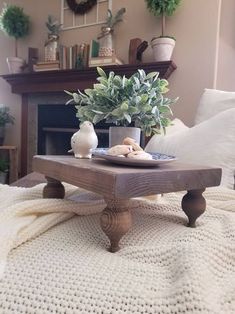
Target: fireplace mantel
[(58, 81), (55, 82)]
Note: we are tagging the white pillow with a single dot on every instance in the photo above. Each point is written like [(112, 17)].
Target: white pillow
[(176, 126), (210, 143), (213, 102)]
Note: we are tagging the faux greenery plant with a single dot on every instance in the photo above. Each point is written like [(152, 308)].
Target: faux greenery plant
[(122, 101), (112, 20), (162, 8), (14, 22), (53, 26), (5, 116)]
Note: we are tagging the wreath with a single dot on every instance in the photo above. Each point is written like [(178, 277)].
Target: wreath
[(82, 7)]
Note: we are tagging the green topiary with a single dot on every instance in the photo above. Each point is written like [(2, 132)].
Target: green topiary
[(14, 22), (162, 8)]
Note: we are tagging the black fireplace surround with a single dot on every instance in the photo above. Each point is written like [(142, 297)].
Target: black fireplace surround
[(56, 124)]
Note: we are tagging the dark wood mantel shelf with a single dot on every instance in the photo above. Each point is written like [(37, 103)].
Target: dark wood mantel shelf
[(58, 81)]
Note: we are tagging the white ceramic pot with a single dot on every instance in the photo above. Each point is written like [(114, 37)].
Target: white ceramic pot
[(51, 48), (106, 44), (15, 64), (162, 48), (118, 133)]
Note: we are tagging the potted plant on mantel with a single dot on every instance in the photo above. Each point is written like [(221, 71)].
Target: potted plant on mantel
[(15, 23), (163, 45), (136, 102), (51, 45), (5, 117), (105, 38)]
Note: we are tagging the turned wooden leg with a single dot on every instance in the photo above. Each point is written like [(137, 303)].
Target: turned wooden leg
[(53, 189), (115, 221), (194, 205)]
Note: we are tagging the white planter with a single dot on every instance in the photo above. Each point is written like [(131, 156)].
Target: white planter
[(118, 133), (162, 48), (106, 46), (51, 48), (15, 64)]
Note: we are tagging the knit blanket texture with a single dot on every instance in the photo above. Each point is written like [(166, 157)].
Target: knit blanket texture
[(162, 267)]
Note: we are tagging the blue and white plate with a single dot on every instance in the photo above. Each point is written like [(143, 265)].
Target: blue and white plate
[(156, 161)]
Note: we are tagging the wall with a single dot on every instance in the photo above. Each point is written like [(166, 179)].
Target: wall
[(226, 60), (194, 28)]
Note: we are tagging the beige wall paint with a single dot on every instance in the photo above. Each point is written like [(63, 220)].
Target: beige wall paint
[(195, 53), (226, 60)]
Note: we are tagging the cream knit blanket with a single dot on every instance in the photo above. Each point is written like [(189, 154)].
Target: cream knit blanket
[(163, 267)]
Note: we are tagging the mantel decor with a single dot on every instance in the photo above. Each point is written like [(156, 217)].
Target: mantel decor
[(105, 38), (163, 45), (14, 23), (51, 45), (81, 7)]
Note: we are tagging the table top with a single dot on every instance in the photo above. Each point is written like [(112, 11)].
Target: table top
[(104, 178)]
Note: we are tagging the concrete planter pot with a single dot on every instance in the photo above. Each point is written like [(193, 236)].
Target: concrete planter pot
[(15, 64), (162, 48), (118, 133)]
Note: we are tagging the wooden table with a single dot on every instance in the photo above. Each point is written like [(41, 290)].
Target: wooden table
[(117, 184)]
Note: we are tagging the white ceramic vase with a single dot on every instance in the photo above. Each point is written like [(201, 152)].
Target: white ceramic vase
[(15, 64), (162, 48), (51, 48), (106, 45), (118, 133)]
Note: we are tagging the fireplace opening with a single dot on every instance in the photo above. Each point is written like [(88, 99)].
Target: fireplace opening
[(56, 124)]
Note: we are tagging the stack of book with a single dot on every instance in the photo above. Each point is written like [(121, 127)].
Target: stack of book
[(46, 66), (95, 60), (102, 61)]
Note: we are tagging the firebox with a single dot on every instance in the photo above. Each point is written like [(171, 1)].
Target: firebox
[(56, 124)]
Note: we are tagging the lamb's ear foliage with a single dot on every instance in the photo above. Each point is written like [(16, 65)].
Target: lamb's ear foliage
[(101, 73), (137, 100)]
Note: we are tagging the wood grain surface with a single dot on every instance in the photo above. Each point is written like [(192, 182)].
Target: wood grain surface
[(125, 182), (117, 184)]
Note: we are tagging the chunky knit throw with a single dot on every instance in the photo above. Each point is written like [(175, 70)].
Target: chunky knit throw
[(162, 267)]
